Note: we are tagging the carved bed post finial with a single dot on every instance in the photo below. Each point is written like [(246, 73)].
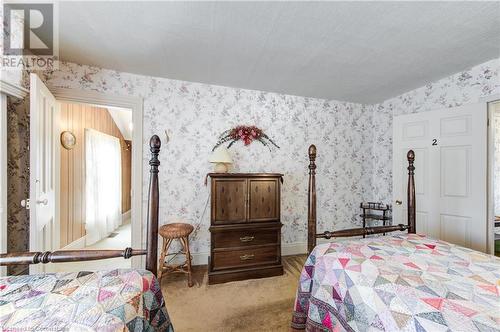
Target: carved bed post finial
[(411, 193), (153, 207), (311, 201)]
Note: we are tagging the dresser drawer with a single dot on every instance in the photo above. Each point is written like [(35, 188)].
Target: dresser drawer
[(245, 257), (245, 237)]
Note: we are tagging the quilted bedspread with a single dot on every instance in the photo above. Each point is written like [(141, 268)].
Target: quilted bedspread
[(115, 300), (398, 283)]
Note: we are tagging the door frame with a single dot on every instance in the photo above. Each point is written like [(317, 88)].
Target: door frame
[(490, 245), (136, 105), (6, 90), (3, 179)]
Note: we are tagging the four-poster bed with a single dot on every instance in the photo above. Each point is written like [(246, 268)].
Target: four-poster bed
[(116, 299), (401, 282), (311, 208)]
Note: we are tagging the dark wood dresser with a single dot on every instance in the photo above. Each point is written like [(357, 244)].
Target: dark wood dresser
[(245, 226)]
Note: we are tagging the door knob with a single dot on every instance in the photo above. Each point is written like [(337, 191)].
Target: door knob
[(42, 201), (398, 202)]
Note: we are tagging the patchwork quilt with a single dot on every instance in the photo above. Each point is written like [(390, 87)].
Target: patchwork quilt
[(115, 300), (404, 282)]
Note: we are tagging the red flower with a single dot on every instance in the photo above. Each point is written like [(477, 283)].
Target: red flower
[(247, 134)]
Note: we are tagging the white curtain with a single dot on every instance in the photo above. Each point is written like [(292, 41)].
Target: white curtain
[(103, 169)]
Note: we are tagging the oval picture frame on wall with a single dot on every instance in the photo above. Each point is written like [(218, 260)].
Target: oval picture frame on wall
[(68, 140)]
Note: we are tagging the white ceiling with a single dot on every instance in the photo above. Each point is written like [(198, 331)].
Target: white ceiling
[(123, 120), (362, 52)]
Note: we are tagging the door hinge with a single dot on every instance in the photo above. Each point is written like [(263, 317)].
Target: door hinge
[(25, 203)]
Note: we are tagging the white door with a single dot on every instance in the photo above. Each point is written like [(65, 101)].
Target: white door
[(450, 173), (44, 169)]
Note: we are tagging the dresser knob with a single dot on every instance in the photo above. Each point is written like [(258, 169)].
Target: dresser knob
[(246, 257), (247, 238)]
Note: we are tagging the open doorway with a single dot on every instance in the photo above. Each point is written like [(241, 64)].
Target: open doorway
[(494, 113), (46, 130), (95, 182)]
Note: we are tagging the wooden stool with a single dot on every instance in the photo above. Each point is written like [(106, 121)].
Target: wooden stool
[(169, 233)]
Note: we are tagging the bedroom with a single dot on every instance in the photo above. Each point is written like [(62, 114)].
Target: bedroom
[(334, 74)]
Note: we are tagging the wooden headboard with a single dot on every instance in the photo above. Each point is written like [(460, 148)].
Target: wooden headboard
[(151, 251), (311, 208)]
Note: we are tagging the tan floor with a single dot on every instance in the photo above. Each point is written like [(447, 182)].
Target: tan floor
[(120, 241), (250, 305)]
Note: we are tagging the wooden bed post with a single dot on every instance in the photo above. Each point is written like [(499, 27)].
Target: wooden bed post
[(151, 251), (311, 201), (411, 193), (153, 207), (364, 231)]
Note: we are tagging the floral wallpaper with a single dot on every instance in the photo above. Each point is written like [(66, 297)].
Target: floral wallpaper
[(462, 88), (195, 114), (354, 141), (18, 177)]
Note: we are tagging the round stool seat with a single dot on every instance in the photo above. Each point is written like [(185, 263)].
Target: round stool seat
[(175, 230)]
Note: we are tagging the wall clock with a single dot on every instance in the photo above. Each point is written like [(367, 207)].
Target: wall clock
[(68, 140)]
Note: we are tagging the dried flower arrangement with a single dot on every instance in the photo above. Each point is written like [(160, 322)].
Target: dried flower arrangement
[(247, 134)]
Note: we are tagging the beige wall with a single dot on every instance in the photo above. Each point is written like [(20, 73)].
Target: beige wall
[(75, 118)]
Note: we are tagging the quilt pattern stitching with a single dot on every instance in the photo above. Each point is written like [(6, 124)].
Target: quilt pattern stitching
[(405, 282), (115, 300)]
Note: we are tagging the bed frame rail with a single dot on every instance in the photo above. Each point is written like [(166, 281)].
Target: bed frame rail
[(311, 208), (151, 251)]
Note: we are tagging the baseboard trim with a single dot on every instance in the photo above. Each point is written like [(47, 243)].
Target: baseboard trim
[(77, 244), (127, 215), (297, 248), (201, 258)]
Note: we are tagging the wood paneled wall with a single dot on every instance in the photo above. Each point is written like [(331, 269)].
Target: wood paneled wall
[(126, 175), (75, 118)]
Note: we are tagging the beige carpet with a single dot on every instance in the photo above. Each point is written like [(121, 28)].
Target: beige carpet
[(250, 305)]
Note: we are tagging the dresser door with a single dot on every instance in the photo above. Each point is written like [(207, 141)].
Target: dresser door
[(229, 201), (264, 200)]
